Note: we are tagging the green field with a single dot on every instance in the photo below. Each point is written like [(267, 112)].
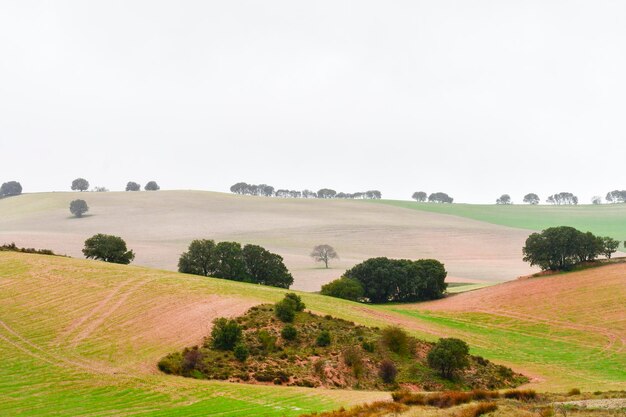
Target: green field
[(82, 337), (604, 219)]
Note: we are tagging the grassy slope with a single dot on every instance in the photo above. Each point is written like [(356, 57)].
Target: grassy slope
[(82, 337), (604, 220), (160, 225)]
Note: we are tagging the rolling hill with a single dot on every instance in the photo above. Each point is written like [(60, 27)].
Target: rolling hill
[(82, 337), (160, 225)]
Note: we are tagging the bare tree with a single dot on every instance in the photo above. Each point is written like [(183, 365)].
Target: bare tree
[(324, 253)]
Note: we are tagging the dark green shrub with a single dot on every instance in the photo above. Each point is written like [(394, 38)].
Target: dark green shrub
[(368, 346), (396, 340), (346, 288), (323, 339), (267, 341), (285, 310), (171, 364), (448, 356), (289, 332), (387, 371), (521, 394), (225, 334), (108, 248), (574, 391), (298, 304), (241, 352)]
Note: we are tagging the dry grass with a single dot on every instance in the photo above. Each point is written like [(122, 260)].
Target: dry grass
[(376, 409), (160, 225)]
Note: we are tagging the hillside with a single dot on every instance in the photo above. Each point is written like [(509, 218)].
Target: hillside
[(160, 225), (83, 337), (602, 220)]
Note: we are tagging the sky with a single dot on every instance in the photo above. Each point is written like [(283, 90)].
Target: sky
[(473, 98)]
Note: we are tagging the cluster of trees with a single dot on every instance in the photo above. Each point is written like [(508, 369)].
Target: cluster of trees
[(11, 188), (265, 190), (562, 198), (81, 184), (421, 196), (616, 196), (531, 198), (383, 280), (504, 199), (108, 248), (229, 260), (561, 248)]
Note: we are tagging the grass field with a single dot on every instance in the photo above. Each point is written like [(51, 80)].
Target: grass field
[(603, 220), (82, 337), (160, 225)]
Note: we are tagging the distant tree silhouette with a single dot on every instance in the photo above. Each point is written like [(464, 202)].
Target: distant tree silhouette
[(563, 198), (596, 199), (132, 186), (326, 193), (440, 198), (80, 184), (79, 207), (531, 198), (419, 196), (616, 196), (10, 188), (324, 253), (504, 199), (152, 186)]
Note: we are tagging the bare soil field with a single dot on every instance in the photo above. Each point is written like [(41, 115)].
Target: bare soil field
[(158, 226)]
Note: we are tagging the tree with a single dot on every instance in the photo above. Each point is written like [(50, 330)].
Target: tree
[(11, 188), (504, 199), (373, 194), (287, 308), (265, 267), (239, 188), (440, 198), (616, 196), (387, 371), (152, 186), (108, 248), (323, 339), (241, 352), (596, 200), (448, 356), (324, 253), (230, 263), (563, 198), (199, 258), (309, 194), (419, 196), (326, 193), (560, 248), (289, 332), (387, 280), (531, 198), (609, 246), (346, 288), (225, 334), (80, 184), (132, 186), (79, 207)]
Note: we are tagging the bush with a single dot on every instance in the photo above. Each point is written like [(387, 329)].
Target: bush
[(108, 248), (285, 310), (289, 332), (225, 334), (448, 356), (521, 395), (267, 341), (323, 339), (10, 188), (387, 371), (241, 352), (298, 304), (79, 207), (346, 288), (396, 340), (152, 186), (574, 391), (368, 346), (171, 364), (478, 410)]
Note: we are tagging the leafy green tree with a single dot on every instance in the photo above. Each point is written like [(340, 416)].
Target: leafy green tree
[(199, 259), (346, 288), (326, 193), (324, 253), (241, 352), (79, 207), (80, 184), (265, 267), (108, 248), (230, 262), (504, 199), (419, 196), (531, 198), (448, 356), (609, 246), (386, 280), (225, 334), (285, 310), (11, 188), (396, 340), (152, 186), (298, 305), (132, 186)]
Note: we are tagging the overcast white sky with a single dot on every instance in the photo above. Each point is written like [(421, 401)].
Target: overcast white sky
[(474, 98)]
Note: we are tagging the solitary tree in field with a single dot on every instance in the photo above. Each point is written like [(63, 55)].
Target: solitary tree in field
[(108, 248), (79, 207), (440, 198), (419, 196), (10, 188), (132, 186), (80, 184), (596, 200), (531, 198), (324, 253), (152, 186), (448, 356), (504, 199)]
